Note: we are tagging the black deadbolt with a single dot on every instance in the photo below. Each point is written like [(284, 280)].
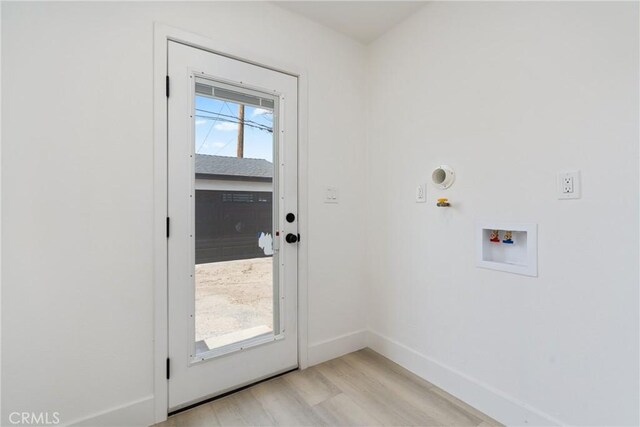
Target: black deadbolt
[(291, 238), (290, 217)]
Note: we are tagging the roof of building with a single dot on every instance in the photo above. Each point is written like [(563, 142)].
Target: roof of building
[(233, 166)]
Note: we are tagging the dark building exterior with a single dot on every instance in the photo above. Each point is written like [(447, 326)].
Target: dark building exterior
[(234, 208)]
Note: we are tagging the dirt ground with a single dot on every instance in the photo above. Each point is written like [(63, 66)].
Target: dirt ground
[(232, 296)]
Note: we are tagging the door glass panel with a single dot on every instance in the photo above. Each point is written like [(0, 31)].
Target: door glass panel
[(233, 215)]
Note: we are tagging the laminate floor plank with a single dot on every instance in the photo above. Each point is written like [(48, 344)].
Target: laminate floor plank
[(371, 394), (284, 404), (241, 409), (200, 416), (311, 385), (486, 420), (379, 360), (341, 410), (359, 389), (435, 408)]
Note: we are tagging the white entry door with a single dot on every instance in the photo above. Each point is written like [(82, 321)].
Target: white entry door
[(232, 204)]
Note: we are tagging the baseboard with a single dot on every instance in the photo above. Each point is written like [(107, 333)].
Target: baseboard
[(137, 413), (141, 412), (336, 347), (493, 402)]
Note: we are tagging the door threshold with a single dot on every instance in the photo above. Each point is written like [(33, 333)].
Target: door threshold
[(227, 393)]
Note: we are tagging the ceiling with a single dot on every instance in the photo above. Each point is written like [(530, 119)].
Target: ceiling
[(364, 21)]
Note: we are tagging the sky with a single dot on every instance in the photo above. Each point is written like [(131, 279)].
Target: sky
[(217, 129)]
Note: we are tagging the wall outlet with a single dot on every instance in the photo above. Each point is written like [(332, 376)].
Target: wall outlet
[(421, 194), (569, 185)]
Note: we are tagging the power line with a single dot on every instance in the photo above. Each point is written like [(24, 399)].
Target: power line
[(237, 121), (229, 108), (234, 119), (230, 117), (224, 146), (206, 136), (210, 129)]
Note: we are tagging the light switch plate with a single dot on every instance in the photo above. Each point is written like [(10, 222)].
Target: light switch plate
[(421, 196), (569, 185), (331, 195)]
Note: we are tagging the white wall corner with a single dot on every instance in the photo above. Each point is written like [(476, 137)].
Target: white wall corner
[(336, 347), (495, 403), (137, 413)]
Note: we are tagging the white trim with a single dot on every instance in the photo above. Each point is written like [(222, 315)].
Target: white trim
[(489, 400), (236, 347), (1, 205), (303, 224), (163, 33), (160, 300), (338, 346), (136, 413), (231, 185)]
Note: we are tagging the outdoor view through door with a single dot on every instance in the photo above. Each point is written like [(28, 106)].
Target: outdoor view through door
[(234, 216)]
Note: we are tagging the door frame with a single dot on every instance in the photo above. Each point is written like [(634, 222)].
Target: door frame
[(162, 35)]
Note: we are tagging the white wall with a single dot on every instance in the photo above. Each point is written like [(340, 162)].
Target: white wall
[(77, 190), (515, 90), (509, 94)]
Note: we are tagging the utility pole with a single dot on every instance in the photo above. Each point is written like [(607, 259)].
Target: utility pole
[(240, 152)]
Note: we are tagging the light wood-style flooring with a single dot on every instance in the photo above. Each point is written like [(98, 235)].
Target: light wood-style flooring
[(358, 389)]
